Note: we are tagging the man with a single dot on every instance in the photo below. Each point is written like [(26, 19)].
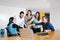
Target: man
[(20, 19), (47, 26)]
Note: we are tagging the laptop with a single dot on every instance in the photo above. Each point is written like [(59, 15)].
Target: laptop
[(28, 33)]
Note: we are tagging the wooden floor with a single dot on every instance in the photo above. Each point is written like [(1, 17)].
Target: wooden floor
[(52, 36)]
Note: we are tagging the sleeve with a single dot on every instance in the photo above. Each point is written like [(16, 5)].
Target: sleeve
[(16, 26), (25, 19), (51, 27), (38, 23), (31, 20)]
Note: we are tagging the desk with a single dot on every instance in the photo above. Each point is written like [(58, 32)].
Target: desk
[(52, 36)]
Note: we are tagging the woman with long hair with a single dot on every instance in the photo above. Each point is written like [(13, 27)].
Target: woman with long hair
[(36, 21), (28, 18)]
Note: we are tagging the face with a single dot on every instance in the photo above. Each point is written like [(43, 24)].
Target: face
[(44, 20), (37, 15), (14, 20), (21, 15), (29, 12)]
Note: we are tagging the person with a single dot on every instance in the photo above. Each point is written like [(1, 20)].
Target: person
[(28, 18), (36, 28), (12, 27), (20, 19), (47, 26)]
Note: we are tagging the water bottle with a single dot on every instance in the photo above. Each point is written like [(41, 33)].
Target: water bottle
[(2, 32)]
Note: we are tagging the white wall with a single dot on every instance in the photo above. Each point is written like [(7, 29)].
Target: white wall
[(7, 12), (8, 9), (55, 13), (13, 7), (41, 4)]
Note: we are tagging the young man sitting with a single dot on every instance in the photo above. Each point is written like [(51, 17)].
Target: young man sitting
[(47, 26)]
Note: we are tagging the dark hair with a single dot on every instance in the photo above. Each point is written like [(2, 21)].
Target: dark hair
[(10, 20), (21, 12), (29, 11), (38, 15)]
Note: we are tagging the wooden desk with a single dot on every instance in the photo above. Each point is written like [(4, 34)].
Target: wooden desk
[(52, 36)]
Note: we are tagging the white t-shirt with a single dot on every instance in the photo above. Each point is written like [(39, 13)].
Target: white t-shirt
[(20, 22)]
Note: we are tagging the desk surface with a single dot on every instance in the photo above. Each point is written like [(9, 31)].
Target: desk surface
[(52, 36)]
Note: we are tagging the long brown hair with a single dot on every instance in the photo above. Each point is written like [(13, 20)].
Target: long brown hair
[(38, 15)]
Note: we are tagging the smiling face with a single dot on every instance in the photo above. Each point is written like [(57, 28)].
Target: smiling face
[(45, 19), (21, 15), (37, 15), (28, 12)]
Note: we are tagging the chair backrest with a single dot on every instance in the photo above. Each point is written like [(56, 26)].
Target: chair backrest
[(26, 33)]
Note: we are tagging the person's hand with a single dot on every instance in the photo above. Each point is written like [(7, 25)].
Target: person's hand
[(33, 24), (47, 30), (28, 26)]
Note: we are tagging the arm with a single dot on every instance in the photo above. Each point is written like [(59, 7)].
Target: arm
[(37, 23), (16, 26), (25, 19), (51, 27), (31, 20), (41, 28)]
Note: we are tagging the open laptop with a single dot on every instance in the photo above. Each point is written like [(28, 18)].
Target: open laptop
[(26, 33)]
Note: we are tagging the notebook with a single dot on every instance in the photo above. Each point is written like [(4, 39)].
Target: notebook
[(42, 33)]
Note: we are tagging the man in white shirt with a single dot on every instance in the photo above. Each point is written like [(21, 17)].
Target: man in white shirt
[(20, 19)]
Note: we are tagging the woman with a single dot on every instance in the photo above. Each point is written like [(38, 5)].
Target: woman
[(36, 21), (28, 18), (12, 27)]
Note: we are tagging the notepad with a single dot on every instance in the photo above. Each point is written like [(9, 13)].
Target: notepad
[(43, 34)]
